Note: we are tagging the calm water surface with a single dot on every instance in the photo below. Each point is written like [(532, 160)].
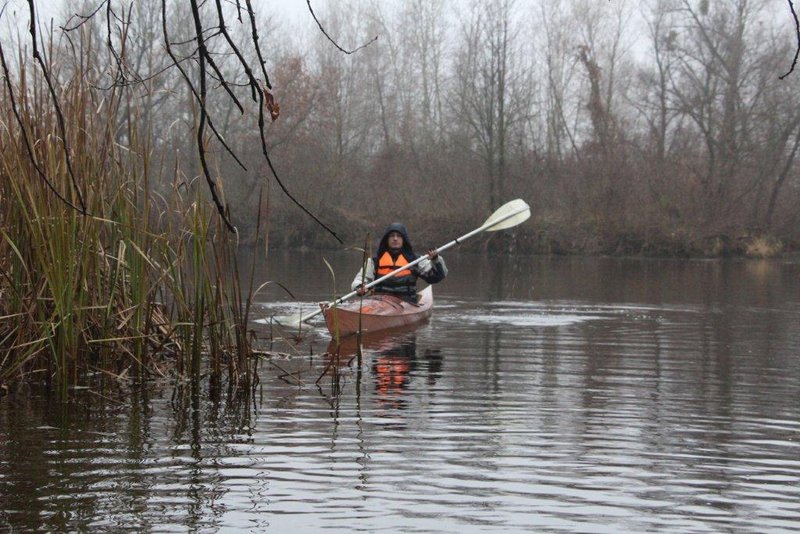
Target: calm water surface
[(556, 394)]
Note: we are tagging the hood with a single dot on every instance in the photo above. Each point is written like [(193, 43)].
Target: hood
[(408, 252)]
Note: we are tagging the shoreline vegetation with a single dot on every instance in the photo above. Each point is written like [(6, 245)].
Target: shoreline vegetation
[(127, 157), (543, 238), (137, 281), (104, 273)]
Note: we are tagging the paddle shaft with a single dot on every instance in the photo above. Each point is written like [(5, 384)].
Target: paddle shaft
[(377, 281)]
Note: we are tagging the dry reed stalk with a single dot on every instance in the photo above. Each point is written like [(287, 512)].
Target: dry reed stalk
[(143, 280)]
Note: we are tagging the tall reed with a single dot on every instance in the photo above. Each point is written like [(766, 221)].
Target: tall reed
[(141, 284)]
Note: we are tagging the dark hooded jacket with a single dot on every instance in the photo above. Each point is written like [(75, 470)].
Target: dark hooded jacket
[(383, 246), (403, 286)]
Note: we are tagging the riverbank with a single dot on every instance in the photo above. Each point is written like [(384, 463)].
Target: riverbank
[(543, 236)]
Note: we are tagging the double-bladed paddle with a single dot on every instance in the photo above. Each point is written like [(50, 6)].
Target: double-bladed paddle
[(506, 216)]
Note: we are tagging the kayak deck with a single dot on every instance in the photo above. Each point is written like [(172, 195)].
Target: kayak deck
[(378, 312)]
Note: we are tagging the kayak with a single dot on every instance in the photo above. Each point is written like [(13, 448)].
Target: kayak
[(378, 312)]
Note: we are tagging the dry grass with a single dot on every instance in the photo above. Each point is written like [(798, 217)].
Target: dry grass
[(763, 247)]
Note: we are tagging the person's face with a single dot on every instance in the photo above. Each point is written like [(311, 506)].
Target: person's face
[(395, 240)]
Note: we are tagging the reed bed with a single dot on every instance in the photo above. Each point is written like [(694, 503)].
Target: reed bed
[(99, 274)]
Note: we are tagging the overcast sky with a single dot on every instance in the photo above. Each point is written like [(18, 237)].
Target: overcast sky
[(15, 17), (295, 10)]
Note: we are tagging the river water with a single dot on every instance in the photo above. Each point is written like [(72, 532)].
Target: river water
[(555, 394)]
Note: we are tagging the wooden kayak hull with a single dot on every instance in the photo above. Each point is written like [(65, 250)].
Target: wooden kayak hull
[(378, 312)]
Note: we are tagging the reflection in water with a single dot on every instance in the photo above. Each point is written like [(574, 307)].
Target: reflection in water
[(392, 358), (392, 367), (620, 396)]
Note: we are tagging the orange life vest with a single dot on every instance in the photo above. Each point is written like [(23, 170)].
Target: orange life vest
[(386, 265)]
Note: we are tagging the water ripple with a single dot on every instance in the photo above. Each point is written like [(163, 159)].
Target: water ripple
[(506, 415)]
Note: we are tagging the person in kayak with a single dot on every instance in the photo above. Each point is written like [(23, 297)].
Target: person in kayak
[(394, 251)]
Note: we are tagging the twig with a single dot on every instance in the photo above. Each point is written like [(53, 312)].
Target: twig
[(242, 61), (329, 37), (83, 18), (221, 78), (120, 78), (201, 128), (286, 373), (275, 173), (190, 84), (797, 30), (109, 399), (263, 95), (254, 33), (59, 115), (28, 146)]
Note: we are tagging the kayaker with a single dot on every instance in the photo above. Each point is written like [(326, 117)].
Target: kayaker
[(394, 251)]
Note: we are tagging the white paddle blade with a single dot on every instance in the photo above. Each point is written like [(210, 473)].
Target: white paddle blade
[(508, 215), (294, 320), (290, 322)]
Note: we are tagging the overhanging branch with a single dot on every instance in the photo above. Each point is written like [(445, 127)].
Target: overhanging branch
[(797, 32)]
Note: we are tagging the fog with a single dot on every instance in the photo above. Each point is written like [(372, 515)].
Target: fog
[(655, 127)]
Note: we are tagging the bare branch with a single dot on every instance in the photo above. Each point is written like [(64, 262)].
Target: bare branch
[(797, 30), (59, 115), (120, 78), (190, 84), (83, 18), (265, 98), (242, 61), (28, 146), (275, 173), (125, 75), (203, 53), (254, 32), (311, 10)]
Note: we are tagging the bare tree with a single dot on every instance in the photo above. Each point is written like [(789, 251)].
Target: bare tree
[(559, 62), (493, 87), (716, 84), (424, 22), (653, 101), (347, 121)]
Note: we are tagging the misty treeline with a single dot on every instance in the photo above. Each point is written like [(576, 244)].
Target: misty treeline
[(655, 127)]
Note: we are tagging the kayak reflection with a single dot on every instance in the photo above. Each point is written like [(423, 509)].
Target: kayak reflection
[(393, 362)]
